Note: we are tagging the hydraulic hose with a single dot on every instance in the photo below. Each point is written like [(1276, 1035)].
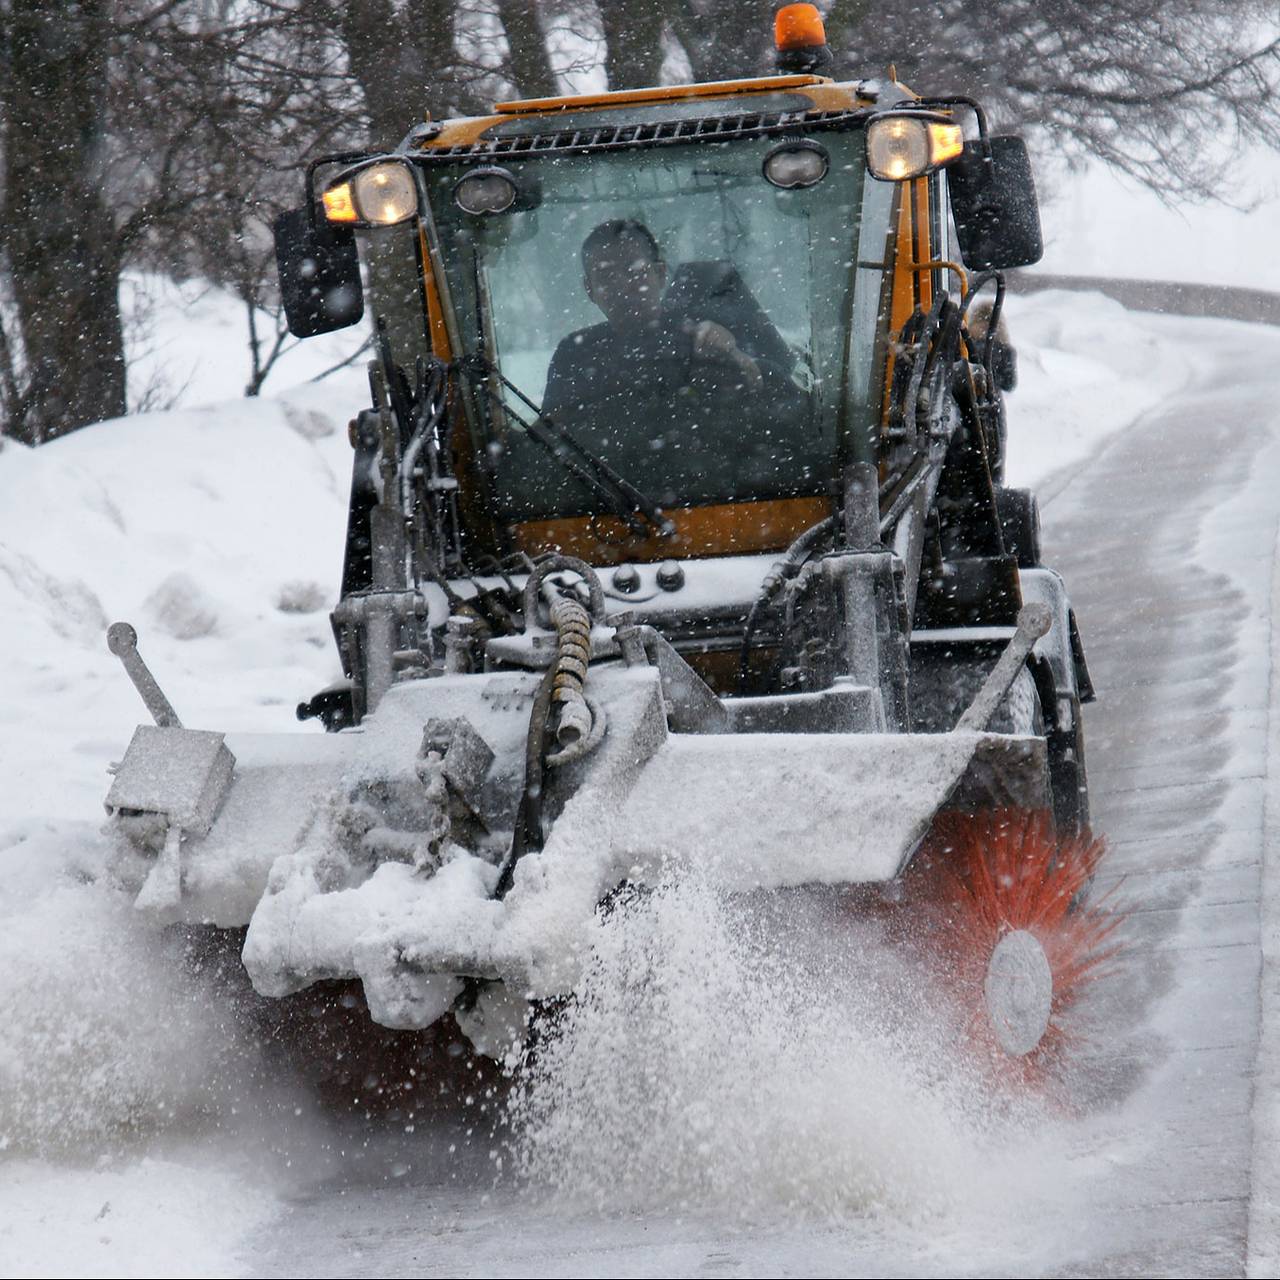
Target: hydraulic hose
[(573, 654), (774, 581), (581, 722)]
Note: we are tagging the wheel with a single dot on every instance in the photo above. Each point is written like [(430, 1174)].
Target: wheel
[(1068, 777), (1020, 525)]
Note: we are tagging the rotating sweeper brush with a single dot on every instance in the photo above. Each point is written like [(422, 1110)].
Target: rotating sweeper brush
[(676, 538)]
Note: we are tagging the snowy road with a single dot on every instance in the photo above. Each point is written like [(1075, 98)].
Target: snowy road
[(1169, 541), (1167, 538), (138, 1136)]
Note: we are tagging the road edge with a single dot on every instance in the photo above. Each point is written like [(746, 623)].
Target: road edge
[(1262, 1256)]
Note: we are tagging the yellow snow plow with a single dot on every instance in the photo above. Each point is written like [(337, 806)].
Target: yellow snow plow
[(676, 536)]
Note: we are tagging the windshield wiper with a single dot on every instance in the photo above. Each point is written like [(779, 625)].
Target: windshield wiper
[(622, 496)]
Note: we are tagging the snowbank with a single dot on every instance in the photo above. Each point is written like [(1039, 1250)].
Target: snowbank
[(187, 345), (1086, 367), (218, 532)]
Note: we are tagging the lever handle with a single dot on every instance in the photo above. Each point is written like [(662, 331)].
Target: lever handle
[(122, 640)]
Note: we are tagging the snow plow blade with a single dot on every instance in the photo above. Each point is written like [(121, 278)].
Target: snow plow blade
[(346, 862), (779, 810)]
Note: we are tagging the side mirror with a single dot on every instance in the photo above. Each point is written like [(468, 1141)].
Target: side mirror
[(319, 275), (994, 204)]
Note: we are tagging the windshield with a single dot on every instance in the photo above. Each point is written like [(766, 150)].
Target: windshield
[(703, 333)]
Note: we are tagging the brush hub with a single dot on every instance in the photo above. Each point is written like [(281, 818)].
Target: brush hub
[(1019, 992)]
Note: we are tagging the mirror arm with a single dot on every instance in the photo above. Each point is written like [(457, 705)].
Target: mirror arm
[(980, 282)]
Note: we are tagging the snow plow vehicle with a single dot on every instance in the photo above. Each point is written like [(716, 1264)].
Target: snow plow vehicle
[(726, 579)]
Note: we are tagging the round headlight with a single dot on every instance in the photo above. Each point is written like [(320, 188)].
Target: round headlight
[(485, 191), (796, 164), (898, 148), (384, 193)]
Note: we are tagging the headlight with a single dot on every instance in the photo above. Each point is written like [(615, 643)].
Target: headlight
[(379, 195), (907, 146), (385, 193), (482, 191), (790, 165)]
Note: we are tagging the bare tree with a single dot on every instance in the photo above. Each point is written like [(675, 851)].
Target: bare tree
[(60, 244), (1148, 86), (124, 124), (1162, 90)]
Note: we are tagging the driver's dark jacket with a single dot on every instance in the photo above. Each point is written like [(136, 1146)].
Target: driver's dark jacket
[(600, 366), (602, 379), (683, 429)]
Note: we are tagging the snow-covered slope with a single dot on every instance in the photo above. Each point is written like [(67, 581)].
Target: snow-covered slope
[(187, 345), (218, 532)]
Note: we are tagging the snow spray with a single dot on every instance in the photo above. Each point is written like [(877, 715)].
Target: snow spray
[(755, 1055), (104, 1029)]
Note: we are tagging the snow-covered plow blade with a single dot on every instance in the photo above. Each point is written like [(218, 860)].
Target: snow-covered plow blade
[(403, 853)]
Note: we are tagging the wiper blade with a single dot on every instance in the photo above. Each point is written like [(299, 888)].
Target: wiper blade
[(627, 501)]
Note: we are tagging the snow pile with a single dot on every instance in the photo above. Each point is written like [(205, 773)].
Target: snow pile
[(1086, 368), (215, 531), (751, 1060)]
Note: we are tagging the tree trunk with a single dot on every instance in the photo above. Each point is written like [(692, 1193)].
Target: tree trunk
[(374, 41), (527, 62), (633, 42), (727, 39), (59, 235), (445, 92)]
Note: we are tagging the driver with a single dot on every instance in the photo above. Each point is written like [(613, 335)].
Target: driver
[(644, 353)]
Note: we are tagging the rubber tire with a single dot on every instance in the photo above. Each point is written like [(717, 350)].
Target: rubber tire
[(1069, 778), (1020, 525)]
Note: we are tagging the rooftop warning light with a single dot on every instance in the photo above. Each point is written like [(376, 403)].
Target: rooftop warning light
[(800, 39)]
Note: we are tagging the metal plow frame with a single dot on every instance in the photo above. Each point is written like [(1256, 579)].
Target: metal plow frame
[(381, 853)]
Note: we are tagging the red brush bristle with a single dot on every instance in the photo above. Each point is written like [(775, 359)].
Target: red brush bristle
[(980, 876)]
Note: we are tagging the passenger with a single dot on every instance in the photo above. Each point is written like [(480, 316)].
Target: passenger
[(647, 352)]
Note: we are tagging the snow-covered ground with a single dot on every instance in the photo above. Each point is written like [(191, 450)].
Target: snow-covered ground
[(136, 1133), (187, 345)]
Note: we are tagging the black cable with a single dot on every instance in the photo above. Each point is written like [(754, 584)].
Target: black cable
[(978, 283), (528, 829)]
